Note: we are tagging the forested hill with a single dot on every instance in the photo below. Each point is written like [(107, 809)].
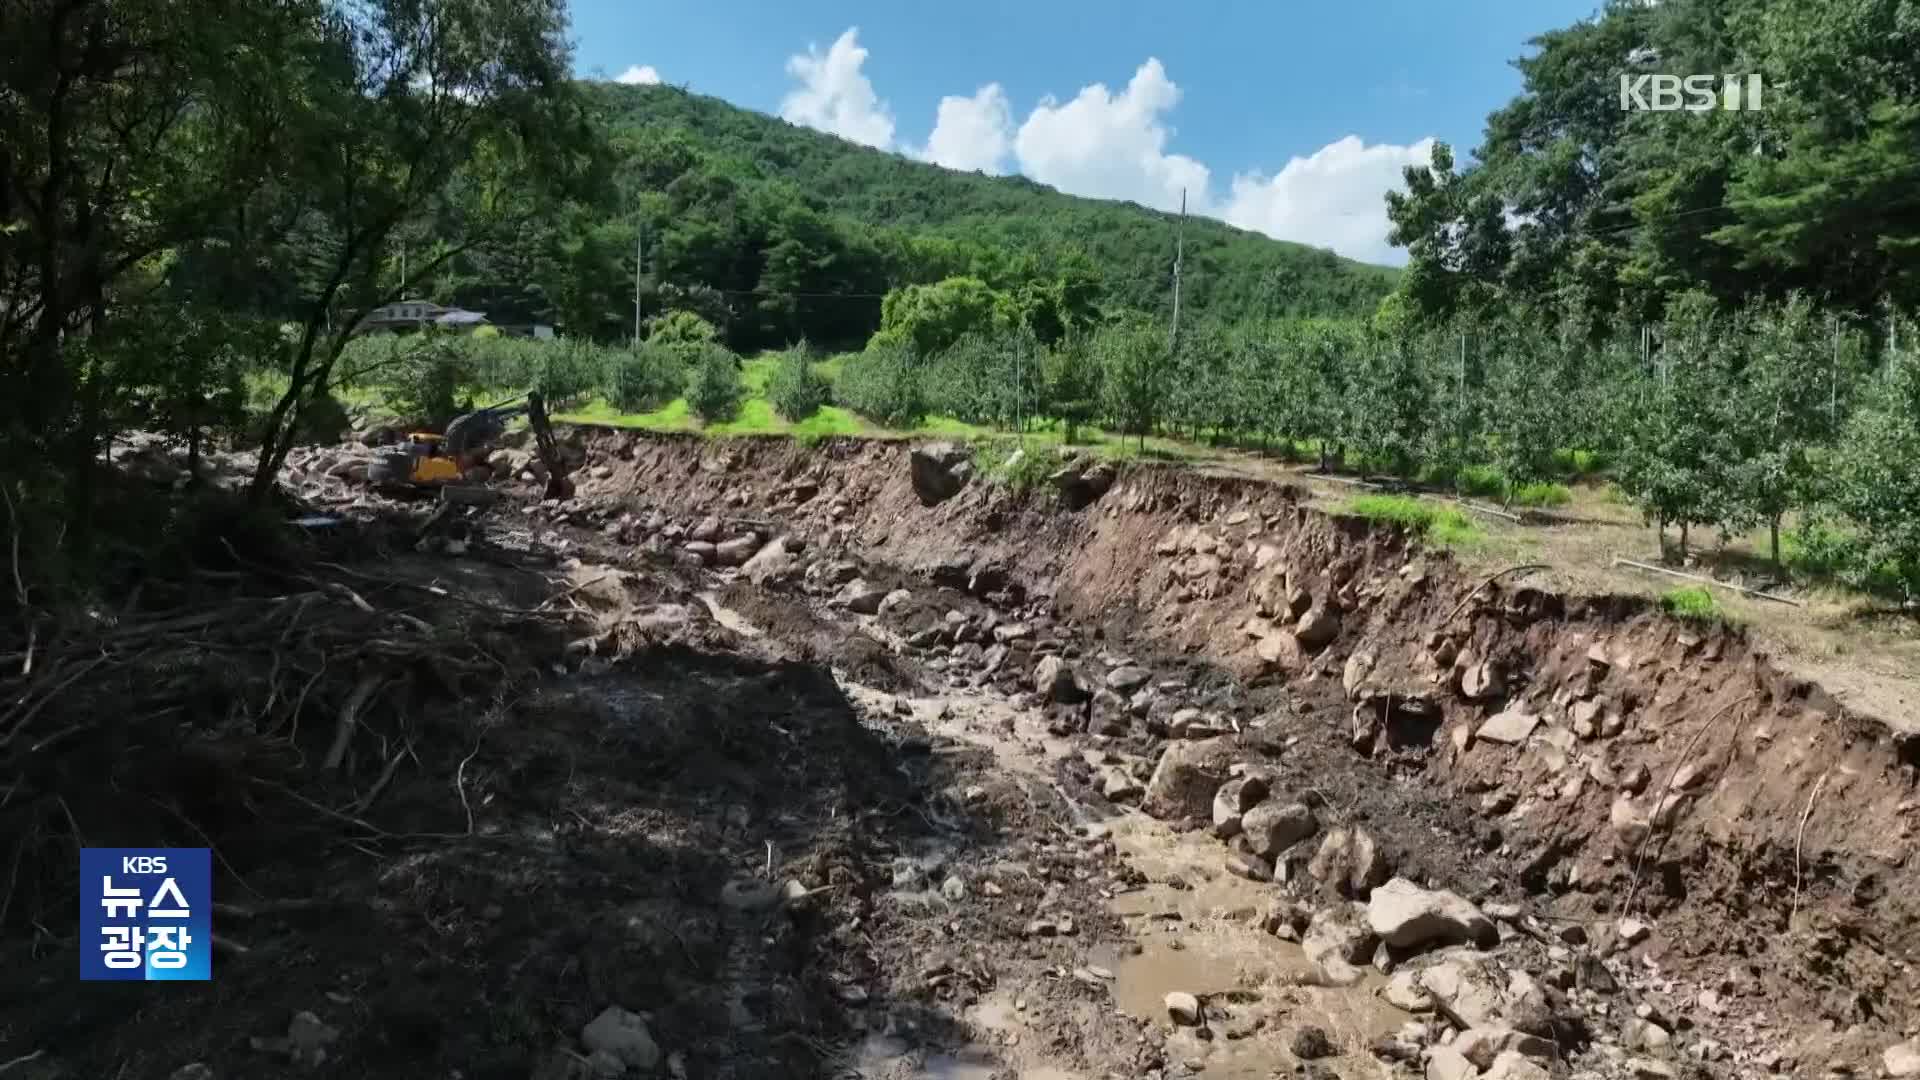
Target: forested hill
[(801, 231)]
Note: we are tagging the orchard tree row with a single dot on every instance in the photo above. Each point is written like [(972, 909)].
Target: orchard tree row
[(1708, 419)]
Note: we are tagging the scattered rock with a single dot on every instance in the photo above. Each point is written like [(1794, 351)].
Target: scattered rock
[(1640, 1034), (1311, 1042), (1513, 1065), (1233, 800), (1406, 915), (1125, 680), (774, 562), (1649, 1069), (1485, 1045), (1350, 861), (1118, 785), (1404, 992), (1280, 651), (1467, 987), (940, 470), (196, 1070), (624, 1036), (305, 1043), (1511, 726), (954, 888), (1056, 679), (1317, 628), (1187, 778), (707, 531), (1902, 1059), (1249, 866), (737, 551), (1337, 940), (1446, 1063), (1480, 681), (1183, 1008), (1272, 828), (860, 596)]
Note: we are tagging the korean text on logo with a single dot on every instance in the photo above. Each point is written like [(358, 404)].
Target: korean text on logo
[(146, 914)]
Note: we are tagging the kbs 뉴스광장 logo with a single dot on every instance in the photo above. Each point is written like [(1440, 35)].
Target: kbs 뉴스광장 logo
[(146, 914)]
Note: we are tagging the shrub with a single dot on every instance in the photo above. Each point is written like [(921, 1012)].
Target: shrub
[(713, 385), (796, 390), (883, 385), (642, 379), (681, 328)]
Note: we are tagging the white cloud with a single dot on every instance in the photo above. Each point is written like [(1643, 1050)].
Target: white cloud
[(835, 96), (1113, 146), (1108, 145), (639, 75), (972, 134), (1332, 198)]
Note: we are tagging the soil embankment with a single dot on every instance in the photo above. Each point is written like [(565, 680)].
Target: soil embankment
[(1588, 757)]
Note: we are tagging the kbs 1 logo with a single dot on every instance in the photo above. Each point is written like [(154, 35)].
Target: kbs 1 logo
[(1690, 93), (146, 914)]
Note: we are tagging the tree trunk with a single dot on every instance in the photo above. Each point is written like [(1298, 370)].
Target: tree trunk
[(1684, 526), (1773, 537)]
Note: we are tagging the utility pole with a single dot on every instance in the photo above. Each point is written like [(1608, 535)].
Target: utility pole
[(1179, 253), (639, 265)]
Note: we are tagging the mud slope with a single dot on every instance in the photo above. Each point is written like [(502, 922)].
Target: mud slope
[(1578, 738)]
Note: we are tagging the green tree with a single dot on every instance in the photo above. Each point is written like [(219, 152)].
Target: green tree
[(795, 388), (714, 390), (1675, 463), (931, 318), (1135, 371), (1875, 478), (454, 112)]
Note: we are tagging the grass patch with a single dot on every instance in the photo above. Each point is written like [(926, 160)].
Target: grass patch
[(1693, 602), (673, 416), (830, 422), (1439, 524), (1540, 495)]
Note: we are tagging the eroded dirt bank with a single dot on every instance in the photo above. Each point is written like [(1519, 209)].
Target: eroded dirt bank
[(761, 760), (1520, 747)]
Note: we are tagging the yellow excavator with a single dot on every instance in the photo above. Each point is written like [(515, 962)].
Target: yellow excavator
[(431, 461)]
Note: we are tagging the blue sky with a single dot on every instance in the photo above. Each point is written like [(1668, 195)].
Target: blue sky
[(1289, 118)]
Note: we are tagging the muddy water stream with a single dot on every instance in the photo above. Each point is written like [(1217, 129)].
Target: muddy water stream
[(1194, 928)]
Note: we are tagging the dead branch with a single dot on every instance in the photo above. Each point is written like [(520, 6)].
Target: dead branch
[(1479, 508), (1706, 581), (21, 724), (435, 590), (1800, 836), (349, 717), (341, 590), (1523, 568), (386, 777)]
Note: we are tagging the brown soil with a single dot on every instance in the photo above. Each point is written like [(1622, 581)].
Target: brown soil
[(590, 809)]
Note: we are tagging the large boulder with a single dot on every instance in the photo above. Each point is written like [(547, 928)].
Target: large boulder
[(1056, 679), (1338, 940), (860, 596), (772, 563), (1350, 862), (1317, 628), (940, 470), (1272, 828), (1187, 778), (737, 551), (624, 1037), (1406, 915), (1466, 986), (1233, 800)]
